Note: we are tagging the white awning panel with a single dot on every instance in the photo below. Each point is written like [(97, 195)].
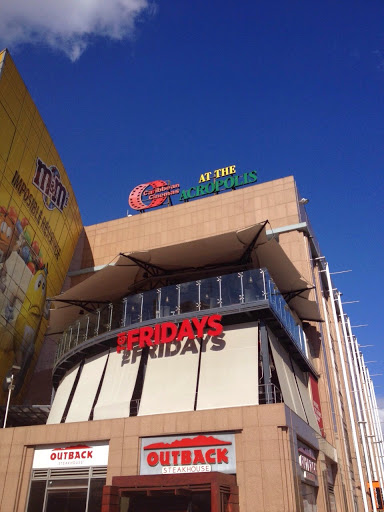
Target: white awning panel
[(171, 378), (62, 395), (226, 252), (118, 385), (86, 390), (302, 382), (287, 380), (229, 368)]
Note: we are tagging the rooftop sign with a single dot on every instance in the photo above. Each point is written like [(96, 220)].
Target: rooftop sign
[(152, 194), (155, 193), (221, 179)]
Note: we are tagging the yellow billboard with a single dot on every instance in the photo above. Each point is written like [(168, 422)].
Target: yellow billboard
[(39, 227)]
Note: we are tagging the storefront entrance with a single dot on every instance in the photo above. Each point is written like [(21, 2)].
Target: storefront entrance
[(205, 492), (196, 502)]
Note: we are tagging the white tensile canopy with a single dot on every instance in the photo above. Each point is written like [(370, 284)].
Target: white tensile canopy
[(203, 257)]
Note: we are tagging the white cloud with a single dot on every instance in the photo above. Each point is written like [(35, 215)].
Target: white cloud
[(69, 25)]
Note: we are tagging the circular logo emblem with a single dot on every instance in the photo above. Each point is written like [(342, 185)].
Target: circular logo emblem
[(143, 196)]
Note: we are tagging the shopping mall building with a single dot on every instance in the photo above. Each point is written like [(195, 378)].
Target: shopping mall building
[(203, 360)]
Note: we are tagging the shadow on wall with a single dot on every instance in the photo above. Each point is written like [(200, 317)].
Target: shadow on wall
[(314, 339), (82, 258), (215, 343)]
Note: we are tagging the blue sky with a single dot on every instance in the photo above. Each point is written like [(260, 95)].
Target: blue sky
[(176, 88)]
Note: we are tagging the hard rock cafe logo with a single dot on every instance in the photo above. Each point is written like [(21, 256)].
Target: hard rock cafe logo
[(152, 194), (48, 181)]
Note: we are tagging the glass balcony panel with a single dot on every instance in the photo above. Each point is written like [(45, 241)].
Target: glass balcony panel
[(72, 336), (281, 308), (253, 285), (92, 325), (189, 297), (231, 290), (82, 329), (150, 305), (169, 299), (104, 325), (117, 315), (236, 288), (209, 293), (133, 309)]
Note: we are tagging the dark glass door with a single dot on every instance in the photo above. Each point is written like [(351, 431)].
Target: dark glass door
[(66, 500), (195, 502)]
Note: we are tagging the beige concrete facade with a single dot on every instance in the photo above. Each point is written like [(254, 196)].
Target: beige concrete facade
[(268, 436), (267, 466), (275, 201)]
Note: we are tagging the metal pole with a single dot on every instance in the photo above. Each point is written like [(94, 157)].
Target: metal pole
[(375, 428), (358, 401), (10, 388), (368, 406), (379, 436), (347, 390), (377, 460)]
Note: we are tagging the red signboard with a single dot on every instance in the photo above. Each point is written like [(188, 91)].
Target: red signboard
[(316, 403), (152, 194), (166, 332), (188, 454)]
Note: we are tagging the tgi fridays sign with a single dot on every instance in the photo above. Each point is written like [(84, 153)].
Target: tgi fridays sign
[(167, 332), (71, 456), (308, 465), (188, 454)]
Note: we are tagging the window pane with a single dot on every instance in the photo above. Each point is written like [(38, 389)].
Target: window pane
[(67, 482), (253, 285), (209, 293), (36, 496), (95, 494), (133, 309), (117, 315), (231, 289), (63, 501), (189, 297), (169, 301), (150, 304)]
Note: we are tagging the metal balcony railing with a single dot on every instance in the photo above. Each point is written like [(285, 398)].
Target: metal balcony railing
[(205, 294), (270, 394)]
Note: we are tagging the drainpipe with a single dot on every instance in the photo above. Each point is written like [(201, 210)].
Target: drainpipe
[(347, 390)]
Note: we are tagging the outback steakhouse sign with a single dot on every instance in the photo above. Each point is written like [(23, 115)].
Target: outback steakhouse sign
[(188, 454), (86, 455), (166, 332)]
